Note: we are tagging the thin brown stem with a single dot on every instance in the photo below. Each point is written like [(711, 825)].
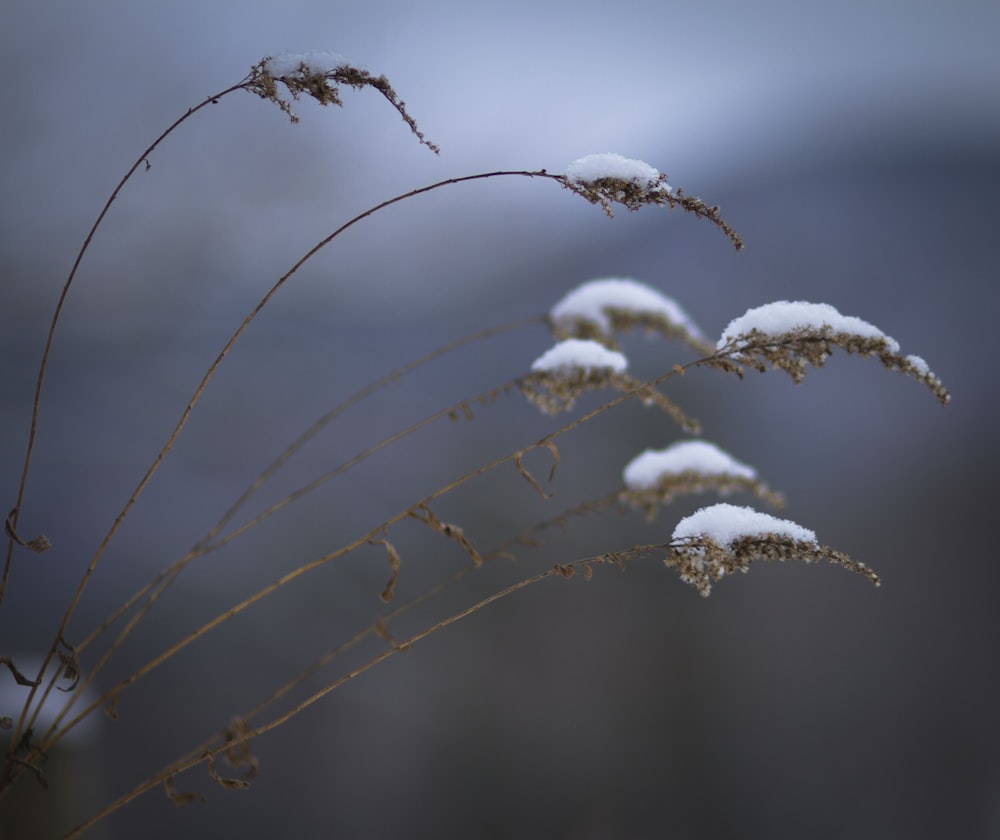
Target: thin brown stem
[(212, 748), (213, 367), (40, 379), (166, 578), (336, 411), (43, 365), (206, 544), (318, 562)]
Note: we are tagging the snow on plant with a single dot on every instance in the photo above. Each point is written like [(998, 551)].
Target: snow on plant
[(716, 541), (317, 74), (598, 309), (609, 178), (721, 539), (654, 477), (610, 167), (577, 354), (304, 65), (792, 335), (574, 366)]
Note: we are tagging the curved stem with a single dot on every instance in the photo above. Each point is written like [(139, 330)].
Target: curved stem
[(351, 401), (212, 748), (162, 581), (543, 442), (208, 542), (213, 367), (39, 380)]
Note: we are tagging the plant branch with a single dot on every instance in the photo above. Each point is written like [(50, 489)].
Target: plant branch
[(205, 544), (43, 365), (343, 550), (212, 748)]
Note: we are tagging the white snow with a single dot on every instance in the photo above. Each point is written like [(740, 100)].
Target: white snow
[(579, 353), (592, 168), (788, 316), (919, 365), (589, 301), (12, 696), (724, 523), (645, 471), (316, 63)]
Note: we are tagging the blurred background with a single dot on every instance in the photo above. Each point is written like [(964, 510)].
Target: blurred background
[(856, 148)]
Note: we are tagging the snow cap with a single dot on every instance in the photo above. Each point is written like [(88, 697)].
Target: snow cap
[(725, 523), (591, 168), (579, 353)]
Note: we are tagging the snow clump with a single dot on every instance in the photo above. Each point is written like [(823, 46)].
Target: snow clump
[(579, 354), (591, 301), (314, 64), (783, 317), (724, 524), (611, 166), (697, 456)]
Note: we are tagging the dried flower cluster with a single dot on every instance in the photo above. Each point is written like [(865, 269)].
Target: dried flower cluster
[(655, 477), (554, 392), (701, 561), (794, 351), (317, 75), (572, 367), (627, 320), (790, 336), (634, 184), (687, 482), (598, 309)]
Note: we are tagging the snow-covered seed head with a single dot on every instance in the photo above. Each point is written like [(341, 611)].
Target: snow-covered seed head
[(722, 539), (571, 368), (791, 335), (318, 74), (598, 309), (655, 477), (608, 178), (579, 354)]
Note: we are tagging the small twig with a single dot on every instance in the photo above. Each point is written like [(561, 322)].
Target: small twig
[(208, 753), (374, 534)]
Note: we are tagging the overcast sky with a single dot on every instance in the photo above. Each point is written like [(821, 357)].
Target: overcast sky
[(708, 92)]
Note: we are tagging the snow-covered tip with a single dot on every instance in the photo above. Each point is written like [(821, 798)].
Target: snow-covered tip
[(608, 178), (790, 335), (722, 539), (318, 74), (574, 366), (608, 166), (783, 317), (690, 466), (598, 308), (698, 456), (304, 64), (724, 524), (581, 354)]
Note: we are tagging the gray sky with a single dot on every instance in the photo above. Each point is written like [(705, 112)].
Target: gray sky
[(707, 92)]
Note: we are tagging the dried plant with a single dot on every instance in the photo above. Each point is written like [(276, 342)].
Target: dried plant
[(717, 541)]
